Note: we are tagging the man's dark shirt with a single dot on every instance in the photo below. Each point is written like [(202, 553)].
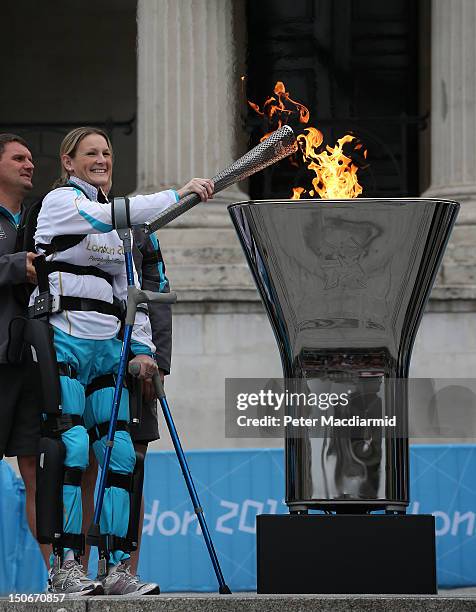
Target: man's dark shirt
[(12, 278)]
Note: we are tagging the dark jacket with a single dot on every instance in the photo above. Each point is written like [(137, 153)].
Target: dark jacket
[(150, 264), (12, 278)]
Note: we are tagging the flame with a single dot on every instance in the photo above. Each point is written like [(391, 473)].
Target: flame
[(310, 141), (297, 191), (275, 108), (335, 172), (336, 175)]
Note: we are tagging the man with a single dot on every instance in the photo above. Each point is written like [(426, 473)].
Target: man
[(19, 384)]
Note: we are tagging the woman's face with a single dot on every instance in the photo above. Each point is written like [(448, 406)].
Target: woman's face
[(92, 162)]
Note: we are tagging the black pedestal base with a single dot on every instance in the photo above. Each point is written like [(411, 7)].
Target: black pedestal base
[(373, 554)]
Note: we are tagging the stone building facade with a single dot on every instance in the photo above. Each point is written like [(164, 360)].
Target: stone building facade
[(190, 56), (220, 329)]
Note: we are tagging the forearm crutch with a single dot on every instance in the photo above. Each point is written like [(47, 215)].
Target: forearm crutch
[(134, 297), (159, 390)]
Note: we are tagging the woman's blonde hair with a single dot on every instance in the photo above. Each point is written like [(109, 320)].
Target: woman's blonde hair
[(69, 146)]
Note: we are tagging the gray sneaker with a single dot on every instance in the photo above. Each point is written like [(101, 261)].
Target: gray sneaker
[(120, 581), (70, 580)]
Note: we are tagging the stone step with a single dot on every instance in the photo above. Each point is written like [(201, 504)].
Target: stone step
[(203, 255), (205, 246), (216, 236), (209, 276), (458, 274), (251, 602), (464, 253)]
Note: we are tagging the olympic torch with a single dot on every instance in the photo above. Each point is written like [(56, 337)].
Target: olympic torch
[(277, 146)]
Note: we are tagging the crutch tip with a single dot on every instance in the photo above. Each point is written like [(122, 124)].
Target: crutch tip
[(224, 590)]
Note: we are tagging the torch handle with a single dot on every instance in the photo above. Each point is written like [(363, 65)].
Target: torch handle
[(186, 203)]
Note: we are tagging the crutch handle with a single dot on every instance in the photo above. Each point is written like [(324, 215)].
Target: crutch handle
[(140, 296), (134, 369)]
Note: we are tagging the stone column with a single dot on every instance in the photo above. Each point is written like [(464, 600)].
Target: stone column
[(190, 58), (453, 133)]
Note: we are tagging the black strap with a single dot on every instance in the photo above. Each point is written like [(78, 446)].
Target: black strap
[(41, 274), (109, 543), (47, 304), (102, 382), (61, 243), (66, 369), (63, 266), (128, 211), (72, 476), (75, 303), (76, 541), (100, 430), (101, 197), (54, 425), (122, 481)]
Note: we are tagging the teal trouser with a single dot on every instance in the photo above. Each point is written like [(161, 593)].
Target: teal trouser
[(90, 359)]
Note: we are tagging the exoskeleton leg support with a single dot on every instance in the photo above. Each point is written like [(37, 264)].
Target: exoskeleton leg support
[(51, 476), (135, 497), (49, 490)]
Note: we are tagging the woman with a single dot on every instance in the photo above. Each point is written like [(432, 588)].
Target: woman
[(75, 233)]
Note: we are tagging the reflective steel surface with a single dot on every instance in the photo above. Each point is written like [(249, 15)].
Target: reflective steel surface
[(344, 284)]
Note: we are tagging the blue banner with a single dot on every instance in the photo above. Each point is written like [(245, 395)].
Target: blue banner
[(234, 486)]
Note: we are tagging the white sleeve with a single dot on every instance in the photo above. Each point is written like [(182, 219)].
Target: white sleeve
[(68, 211)]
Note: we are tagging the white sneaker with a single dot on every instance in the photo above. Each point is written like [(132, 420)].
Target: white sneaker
[(70, 579), (120, 581)]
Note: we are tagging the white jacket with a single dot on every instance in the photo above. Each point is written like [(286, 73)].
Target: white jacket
[(66, 211)]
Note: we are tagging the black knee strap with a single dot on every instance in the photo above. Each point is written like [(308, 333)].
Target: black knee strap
[(72, 476), (66, 369), (110, 543), (75, 541), (102, 382), (135, 501), (123, 481), (100, 430), (53, 426)]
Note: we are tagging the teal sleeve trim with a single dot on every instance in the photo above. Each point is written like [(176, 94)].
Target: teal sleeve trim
[(140, 349), (104, 228), (154, 240), (163, 278), (177, 197), (160, 264)]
